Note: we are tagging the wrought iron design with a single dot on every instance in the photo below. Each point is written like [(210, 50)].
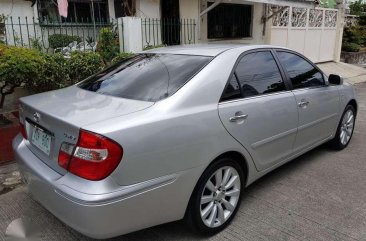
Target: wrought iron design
[(315, 18), (298, 17), (280, 19), (330, 19)]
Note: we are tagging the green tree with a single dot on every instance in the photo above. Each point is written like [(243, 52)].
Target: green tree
[(356, 7)]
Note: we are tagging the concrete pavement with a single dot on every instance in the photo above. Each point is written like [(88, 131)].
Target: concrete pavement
[(319, 196)]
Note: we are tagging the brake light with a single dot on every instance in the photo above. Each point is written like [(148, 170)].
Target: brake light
[(94, 157)]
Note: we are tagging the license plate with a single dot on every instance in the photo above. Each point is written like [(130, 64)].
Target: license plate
[(42, 140)]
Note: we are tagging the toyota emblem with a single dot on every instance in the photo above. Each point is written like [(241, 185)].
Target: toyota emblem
[(36, 117)]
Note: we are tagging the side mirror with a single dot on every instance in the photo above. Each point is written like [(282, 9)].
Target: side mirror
[(334, 79)]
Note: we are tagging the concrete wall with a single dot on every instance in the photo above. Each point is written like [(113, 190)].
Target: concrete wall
[(189, 9), (16, 8), (148, 8)]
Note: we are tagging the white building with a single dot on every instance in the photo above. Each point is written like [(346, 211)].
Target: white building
[(297, 24)]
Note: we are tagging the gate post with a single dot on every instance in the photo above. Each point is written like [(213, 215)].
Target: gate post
[(129, 32), (339, 34)]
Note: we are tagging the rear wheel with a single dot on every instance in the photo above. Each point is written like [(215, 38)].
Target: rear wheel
[(345, 129), (216, 197)]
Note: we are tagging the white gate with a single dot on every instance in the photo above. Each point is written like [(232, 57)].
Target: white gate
[(312, 32)]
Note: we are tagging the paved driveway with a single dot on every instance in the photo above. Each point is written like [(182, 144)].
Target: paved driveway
[(319, 196)]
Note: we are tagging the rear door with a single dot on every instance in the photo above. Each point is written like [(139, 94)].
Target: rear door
[(318, 102), (258, 109)]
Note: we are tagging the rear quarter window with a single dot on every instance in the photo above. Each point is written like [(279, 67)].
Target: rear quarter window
[(147, 77)]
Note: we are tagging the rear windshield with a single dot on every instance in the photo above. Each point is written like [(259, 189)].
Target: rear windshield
[(148, 77)]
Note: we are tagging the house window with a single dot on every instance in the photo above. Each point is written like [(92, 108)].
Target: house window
[(228, 21), (79, 11), (124, 8)]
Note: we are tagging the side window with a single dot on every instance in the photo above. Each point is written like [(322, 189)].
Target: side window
[(301, 72), (258, 74), (232, 90)]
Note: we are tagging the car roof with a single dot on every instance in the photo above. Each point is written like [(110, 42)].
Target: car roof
[(206, 49)]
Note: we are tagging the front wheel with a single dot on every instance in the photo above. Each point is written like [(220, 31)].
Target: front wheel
[(345, 129), (216, 198)]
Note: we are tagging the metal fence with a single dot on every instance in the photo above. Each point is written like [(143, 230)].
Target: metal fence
[(34, 32), (167, 31), (27, 32)]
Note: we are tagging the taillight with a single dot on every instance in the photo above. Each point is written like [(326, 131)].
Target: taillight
[(94, 157)]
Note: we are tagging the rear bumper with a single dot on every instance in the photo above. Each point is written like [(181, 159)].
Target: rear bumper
[(128, 209)]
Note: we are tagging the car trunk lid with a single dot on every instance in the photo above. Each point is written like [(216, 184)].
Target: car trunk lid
[(59, 115)]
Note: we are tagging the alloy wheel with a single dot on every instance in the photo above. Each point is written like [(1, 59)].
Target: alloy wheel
[(347, 127), (220, 196)]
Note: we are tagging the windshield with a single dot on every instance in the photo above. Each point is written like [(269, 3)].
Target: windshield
[(148, 77)]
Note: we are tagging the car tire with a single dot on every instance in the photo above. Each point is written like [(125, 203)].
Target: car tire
[(223, 200), (345, 129)]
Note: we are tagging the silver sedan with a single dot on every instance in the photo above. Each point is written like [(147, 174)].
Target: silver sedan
[(176, 133)]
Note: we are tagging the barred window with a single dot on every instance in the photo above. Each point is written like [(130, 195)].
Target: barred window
[(79, 11), (227, 21)]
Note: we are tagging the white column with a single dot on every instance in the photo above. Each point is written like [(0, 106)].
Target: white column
[(339, 34), (130, 36)]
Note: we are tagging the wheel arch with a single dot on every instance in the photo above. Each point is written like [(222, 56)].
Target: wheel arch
[(236, 156), (353, 103)]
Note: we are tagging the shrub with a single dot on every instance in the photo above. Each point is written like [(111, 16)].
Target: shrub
[(18, 66), (120, 57), (84, 64), (62, 40), (354, 34), (108, 45), (36, 44), (54, 74), (350, 47), (361, 20)]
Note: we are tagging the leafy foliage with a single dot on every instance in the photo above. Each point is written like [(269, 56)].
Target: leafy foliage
[(62, 40), (120, 57), (108, 45), (356, 7), (18, 66), (83, 65), (351, 47), (54, 74), (361, 20), (36, 44), (354, 34), (353, 38)]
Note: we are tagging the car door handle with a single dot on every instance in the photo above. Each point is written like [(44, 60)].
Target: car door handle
[(238, 117), (303, 103)]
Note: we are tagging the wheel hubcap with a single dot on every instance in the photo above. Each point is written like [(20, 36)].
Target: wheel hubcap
[(220, 196), (347, 127)]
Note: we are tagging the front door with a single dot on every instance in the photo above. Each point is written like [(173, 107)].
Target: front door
[(259, 111), (318, 103), (170, 22)]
